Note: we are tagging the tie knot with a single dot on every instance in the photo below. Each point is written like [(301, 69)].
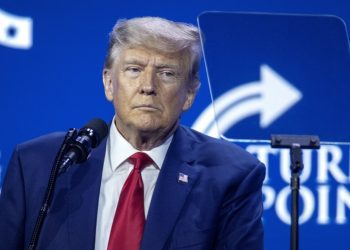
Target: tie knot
[(140, 160)]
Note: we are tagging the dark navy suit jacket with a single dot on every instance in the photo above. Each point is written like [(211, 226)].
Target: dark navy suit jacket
[(220, 206)]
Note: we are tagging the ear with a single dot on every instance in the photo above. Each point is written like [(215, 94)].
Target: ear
[(191, 94), (108, 84)]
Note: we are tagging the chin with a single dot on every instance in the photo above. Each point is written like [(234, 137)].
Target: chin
[(148, 126)]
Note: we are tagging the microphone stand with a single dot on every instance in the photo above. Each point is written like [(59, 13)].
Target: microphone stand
[(70, 136), (295, 143)]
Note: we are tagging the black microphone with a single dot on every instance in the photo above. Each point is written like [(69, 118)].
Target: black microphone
[(88, 137)]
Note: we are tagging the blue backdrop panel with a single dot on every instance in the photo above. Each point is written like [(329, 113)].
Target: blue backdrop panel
[(51, 57)]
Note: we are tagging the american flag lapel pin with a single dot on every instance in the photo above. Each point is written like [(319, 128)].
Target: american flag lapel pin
[(183, 178)]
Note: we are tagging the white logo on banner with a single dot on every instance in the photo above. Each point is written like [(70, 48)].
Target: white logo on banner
[(15, 31), (271, 96), (324, 183)]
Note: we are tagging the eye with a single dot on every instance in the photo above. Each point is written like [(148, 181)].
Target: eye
[(132, 71), (167, 75)]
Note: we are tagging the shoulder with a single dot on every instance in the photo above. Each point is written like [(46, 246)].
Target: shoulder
[(212, 151), (221, 149), (39, 150), (48, 141)]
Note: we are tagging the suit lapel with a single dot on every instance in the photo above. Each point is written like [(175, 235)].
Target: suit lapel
[(85, 181), (170, 193)]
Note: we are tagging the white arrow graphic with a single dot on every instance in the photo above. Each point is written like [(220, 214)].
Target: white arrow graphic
[(272, 96)]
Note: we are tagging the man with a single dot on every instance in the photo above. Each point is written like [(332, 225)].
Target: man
[(197, 192)]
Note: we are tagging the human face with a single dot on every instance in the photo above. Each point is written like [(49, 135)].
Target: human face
[(149, 90)]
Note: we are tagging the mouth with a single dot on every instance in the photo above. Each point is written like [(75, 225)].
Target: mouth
[(146, 107)]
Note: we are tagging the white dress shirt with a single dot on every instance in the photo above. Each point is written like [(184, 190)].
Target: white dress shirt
[(116, 169)]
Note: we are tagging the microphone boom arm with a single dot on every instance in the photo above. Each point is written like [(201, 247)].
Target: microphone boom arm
[(70, 136)]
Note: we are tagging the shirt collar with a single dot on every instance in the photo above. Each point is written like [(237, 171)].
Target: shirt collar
[(120, 149)]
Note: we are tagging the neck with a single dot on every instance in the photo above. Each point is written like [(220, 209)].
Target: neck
[(146, 140)]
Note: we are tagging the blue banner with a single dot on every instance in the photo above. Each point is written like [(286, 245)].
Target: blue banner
[(51, 60)]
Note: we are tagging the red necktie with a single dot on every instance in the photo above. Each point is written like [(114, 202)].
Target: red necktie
[(129, 218)]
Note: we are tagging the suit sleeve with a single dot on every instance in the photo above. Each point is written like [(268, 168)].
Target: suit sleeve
[(240, 218), (12, 207)]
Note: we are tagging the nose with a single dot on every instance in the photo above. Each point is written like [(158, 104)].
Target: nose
[(148, 83)]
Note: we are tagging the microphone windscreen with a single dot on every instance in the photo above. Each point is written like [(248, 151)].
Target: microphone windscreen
[(100, 130)]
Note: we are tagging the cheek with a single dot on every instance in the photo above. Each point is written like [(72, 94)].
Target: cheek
[(175, 101), (182, 97), (123, 99)]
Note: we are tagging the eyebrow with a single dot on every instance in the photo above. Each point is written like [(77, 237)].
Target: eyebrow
[(166, 65), (144, 62)]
